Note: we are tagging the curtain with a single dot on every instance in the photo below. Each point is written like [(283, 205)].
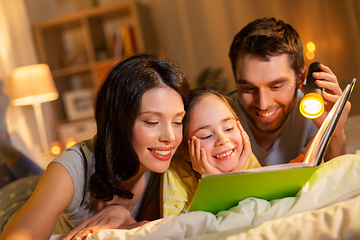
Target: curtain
[(17, 49)]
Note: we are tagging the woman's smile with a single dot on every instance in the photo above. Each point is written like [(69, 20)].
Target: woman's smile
[(161, 154)]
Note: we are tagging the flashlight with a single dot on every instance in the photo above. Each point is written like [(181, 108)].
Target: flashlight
[(312, 104)]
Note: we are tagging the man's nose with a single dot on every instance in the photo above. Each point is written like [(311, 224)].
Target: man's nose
[(265, 100)]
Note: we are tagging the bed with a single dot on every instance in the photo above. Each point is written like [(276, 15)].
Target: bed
[(327, 207), (352, 132)]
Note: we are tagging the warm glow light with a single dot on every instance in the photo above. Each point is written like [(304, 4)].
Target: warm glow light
[(70, 142), (310, 55), (310, 46), (312, 106), (55, 148), (32, 84)]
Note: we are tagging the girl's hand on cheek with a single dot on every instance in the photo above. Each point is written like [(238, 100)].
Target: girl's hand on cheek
[(247, 151), (198, 158)]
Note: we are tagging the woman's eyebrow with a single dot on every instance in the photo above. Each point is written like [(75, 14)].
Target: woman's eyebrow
[(159, 113)]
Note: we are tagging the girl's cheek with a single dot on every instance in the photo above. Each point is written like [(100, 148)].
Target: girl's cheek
[(205, 147), (239, 139)]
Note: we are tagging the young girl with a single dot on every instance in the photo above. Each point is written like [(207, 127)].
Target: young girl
[(214, 142), (111, 180)]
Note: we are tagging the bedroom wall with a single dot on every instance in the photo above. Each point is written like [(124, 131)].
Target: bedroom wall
[(17, 49), (198, 33)]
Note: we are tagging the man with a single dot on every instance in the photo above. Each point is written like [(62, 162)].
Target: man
[(269, 69)]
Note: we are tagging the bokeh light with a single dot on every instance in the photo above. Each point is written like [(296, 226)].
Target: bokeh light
[(310, 55), (55, 148), (310, 46), (70, 142)]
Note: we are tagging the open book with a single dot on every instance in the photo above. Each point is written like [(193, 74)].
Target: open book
[(218, 192)]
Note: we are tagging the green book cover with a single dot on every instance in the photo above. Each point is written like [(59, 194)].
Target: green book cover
[(223, 191), (220, 192)]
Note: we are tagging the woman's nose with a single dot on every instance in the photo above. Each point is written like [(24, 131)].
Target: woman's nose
[(168, 135)]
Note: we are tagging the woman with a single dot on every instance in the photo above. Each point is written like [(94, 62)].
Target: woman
[(111, 179)]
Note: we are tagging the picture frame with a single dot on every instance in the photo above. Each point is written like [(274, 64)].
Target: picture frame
[(79, 104)]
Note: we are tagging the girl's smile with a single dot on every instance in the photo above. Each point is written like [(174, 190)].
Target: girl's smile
[(214, 124)]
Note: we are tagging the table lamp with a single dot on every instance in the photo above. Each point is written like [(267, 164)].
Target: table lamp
[(34, 85), (312, 104)]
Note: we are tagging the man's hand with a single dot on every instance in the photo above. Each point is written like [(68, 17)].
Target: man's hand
[(111, 217), (331, 93)]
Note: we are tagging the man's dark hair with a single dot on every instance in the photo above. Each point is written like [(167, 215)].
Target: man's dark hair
[(267, 37)]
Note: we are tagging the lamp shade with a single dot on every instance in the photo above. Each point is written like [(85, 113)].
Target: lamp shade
[(33, 84)]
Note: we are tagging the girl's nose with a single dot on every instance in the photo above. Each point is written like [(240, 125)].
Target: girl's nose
[(221, 141)]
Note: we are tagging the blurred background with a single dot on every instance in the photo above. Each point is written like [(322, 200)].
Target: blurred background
[(194, 33)]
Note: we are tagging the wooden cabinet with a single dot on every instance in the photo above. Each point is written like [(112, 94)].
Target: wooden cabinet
[(79, 48), (76, 131)]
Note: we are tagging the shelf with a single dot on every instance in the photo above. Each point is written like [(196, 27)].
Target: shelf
[(81, 47), (76, 69)]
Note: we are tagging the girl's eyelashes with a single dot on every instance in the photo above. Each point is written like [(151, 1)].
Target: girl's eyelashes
[(206, 137), (210, 135)]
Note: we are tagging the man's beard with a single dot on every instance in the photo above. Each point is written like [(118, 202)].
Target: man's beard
[(273, 126)]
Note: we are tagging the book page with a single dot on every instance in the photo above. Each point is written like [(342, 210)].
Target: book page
[(323, 136)]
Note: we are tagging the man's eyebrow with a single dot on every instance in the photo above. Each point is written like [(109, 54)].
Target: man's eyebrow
[(280, 80), (242, 81), (276, 81)]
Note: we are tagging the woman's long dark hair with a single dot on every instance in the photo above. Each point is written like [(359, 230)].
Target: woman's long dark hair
[(116, 108)]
